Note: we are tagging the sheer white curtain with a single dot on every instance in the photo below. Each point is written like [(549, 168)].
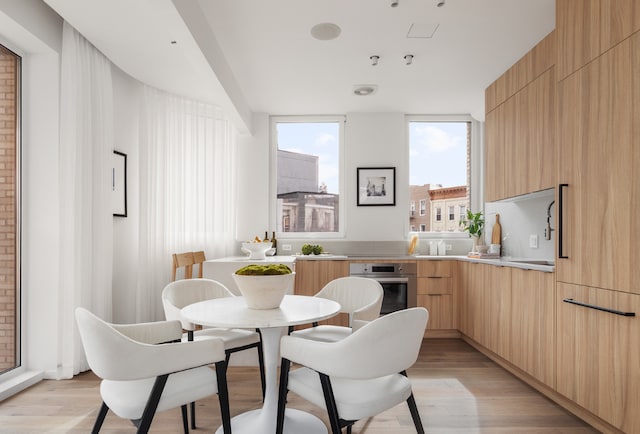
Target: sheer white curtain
[(187, 189), (86, 228)]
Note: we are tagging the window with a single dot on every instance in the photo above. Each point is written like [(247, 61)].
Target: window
[(308, 183), (423, 228), (413, 208), (10, 331), (463, 212), (439, 169)]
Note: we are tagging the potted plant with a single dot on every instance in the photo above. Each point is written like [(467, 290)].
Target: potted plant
[(264, 286), (474, 224)]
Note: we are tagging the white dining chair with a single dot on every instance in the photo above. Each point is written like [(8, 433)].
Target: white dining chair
[(359, 376), (181, 293), (359, 297), (146, 369)]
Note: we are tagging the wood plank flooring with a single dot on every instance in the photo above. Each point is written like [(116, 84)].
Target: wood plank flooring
[(458, 390)]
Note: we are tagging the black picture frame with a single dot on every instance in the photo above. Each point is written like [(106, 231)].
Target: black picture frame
[(119, 184), (376, 186)]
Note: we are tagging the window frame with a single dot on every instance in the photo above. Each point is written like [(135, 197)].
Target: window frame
[(273, 174), (476, 163)]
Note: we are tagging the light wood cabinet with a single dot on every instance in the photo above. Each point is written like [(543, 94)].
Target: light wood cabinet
[(532, 324), (520, 141), (313, 275), (598, 358), (599, 160), (435, 293), (587, 28)]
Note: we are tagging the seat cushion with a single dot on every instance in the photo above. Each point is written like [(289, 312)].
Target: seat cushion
[(127, 399), (232, 338), (324, 333), (355, 399)]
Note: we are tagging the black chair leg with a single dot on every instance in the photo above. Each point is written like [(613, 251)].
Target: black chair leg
[(193, 415), (102, 413), (152, 404), (413, 408), (282, 394), (261, 367), (223, 397), (185, 422), (330, 402)]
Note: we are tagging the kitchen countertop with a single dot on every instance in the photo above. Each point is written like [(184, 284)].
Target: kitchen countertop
[(502, 262)]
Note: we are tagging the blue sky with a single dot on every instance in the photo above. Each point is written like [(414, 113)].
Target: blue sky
[(438, 150)]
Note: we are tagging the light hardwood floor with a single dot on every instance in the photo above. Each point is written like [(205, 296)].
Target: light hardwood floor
[(458, 390)]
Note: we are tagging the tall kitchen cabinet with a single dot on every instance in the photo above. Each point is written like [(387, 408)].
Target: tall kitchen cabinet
[(597, 273), (520, 126)]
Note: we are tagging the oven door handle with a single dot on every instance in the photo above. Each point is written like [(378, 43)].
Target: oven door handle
[(389, 279)]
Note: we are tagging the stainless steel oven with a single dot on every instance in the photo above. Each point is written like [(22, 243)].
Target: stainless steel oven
[(398, 280)]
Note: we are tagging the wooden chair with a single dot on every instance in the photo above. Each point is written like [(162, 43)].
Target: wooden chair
[(187, 260)]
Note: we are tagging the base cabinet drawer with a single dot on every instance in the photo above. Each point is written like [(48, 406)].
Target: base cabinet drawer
[(440, 309), (598, 353)]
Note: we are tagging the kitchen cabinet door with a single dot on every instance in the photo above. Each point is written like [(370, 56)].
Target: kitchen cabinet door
[(588, 28), (598, 358), (532, 339), (494, 186), (313, 275), (599, 163), (496, 309)]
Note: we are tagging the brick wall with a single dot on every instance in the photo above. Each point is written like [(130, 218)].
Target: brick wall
[(8, 95)]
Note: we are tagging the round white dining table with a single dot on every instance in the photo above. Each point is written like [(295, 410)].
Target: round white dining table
[(232, 312)]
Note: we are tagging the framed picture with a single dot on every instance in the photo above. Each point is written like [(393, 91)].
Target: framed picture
[(376, 186), (119, 184)]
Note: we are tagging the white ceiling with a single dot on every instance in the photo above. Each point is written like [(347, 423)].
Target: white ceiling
[(258, 55)]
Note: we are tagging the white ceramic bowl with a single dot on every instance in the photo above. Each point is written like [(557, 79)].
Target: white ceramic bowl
[(257, 250), (264, 292)]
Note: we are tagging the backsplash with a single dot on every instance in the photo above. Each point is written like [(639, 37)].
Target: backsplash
[(521, 218)]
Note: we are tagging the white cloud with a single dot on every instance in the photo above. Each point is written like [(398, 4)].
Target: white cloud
[(435, 139), (325, 139)]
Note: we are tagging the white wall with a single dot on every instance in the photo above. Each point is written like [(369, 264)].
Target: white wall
[(126, 100)]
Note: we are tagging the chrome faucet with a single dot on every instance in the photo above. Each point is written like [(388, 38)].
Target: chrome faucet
[(549, 229)]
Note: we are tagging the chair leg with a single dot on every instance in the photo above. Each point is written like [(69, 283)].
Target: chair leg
[(152, 404), (102, 413), (413, 408), (193, 415), (185, 421), (261, 367), (223, 396), (285, 365), (330, 401)]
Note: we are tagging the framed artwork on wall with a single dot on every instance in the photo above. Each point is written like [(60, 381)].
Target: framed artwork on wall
[(119, 184), (376, 186)]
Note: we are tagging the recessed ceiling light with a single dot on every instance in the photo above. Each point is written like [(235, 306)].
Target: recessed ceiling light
[(325, 31), (364, 89)]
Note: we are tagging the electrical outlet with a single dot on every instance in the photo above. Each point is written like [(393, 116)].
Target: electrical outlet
[(449, 247), (533, 241), (286, 247)]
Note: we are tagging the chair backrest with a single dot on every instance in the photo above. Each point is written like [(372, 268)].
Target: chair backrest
[(187, 260), (360, 297), (106, 347), (384, 346), (181, 293)]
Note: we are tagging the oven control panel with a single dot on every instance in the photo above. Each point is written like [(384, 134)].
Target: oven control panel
[(382, 269)]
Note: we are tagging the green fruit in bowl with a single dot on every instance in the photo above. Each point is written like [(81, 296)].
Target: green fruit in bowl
[(311, 249)]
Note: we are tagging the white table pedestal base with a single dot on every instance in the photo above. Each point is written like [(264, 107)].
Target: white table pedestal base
[(295, 422)]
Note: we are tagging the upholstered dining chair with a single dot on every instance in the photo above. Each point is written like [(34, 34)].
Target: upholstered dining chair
[(181, 293), (146, 369), (359, 297), (359, 376)]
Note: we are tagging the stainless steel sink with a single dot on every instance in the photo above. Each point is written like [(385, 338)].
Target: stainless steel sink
[(533, 262)]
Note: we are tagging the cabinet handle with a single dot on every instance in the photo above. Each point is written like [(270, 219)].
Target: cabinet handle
[(434, 295), (593, 306), (561, 187)]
